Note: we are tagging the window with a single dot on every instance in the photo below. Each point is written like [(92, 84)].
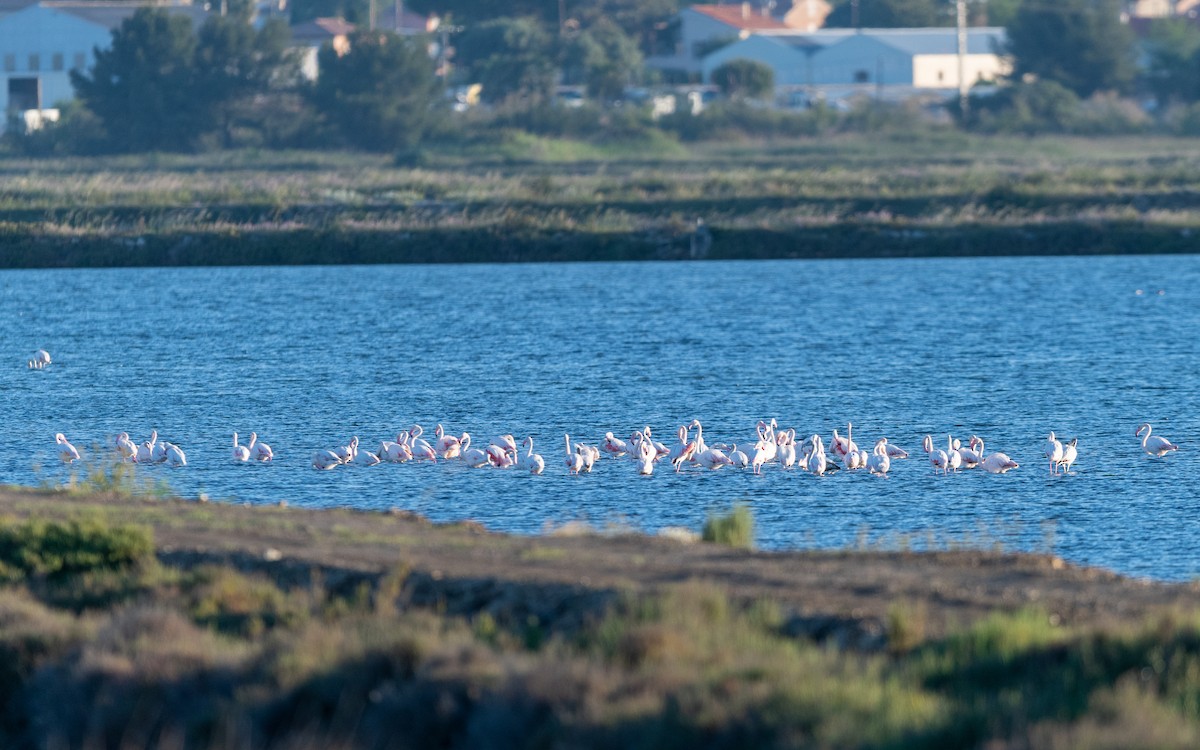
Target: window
[(862, 76), (35, 63), (80, 61), (941, 75), (10, 63), (56, 62)]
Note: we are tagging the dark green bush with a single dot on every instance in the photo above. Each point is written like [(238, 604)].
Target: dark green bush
[(735, 529), (51, 548)]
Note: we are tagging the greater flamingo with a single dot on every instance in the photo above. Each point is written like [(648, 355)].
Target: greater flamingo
[(1155, 446), (879, 462), (1054, 452), (937, 457), (241, 453), (997, 463), (574, 458), (66, 451), (260, 451)]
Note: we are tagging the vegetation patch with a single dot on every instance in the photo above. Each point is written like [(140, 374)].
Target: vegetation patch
[(52, 548)]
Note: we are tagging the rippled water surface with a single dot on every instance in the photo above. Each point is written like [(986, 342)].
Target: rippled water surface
[(1006, 348)]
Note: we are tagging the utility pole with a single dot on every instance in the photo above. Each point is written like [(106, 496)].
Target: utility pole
[(398, 7), (963, 102), (854, 14)]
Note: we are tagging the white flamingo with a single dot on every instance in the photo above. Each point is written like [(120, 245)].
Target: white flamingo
[(679, 448), (446, 446), (66, 451), (787, 448), (420, 448), (953, 457), (1054, 452), (175, 456), (361, 457), (739, 459), (574, 459), (878, 463), (145, 451), (325, 460), (816, 463), (396, 452), (894, 451), (126, 447), (472, 457), (646, 456), (532, 462), (712, 458), (344, 452), (41, 358), (970, 459), (1155, 446), (937, 457), (260, 451), (1070, 454), (996, 463), (590, 453), (688, 452), (241, 454), (614, 446)]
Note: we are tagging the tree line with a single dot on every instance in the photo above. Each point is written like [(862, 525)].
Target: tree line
[(165, 84)]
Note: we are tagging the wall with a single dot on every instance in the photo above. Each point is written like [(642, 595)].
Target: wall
[(59, 40)]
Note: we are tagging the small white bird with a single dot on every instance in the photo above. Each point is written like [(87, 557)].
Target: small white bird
[(66, 451)]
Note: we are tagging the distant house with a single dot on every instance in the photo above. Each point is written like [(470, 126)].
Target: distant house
[(901, 60), (310, 36), (41, 42)]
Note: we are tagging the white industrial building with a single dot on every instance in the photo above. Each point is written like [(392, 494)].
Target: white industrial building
[(924, 59), (41, 42)]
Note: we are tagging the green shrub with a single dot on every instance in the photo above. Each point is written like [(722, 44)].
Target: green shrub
[(55, 548), (736, 529)]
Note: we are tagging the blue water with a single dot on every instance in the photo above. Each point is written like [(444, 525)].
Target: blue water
[(1007, 348)]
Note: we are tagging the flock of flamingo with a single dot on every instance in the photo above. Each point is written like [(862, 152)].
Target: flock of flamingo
[(772, 445)]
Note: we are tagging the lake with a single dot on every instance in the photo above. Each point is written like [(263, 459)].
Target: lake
[(1006, 348)]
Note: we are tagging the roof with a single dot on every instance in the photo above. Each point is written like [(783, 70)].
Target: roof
[(739, 16), (385, 18), (985, 40), (321, 29), (111, 13)]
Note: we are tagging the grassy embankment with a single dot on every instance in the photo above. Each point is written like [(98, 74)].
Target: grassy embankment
[(854, 196), (128, 622)]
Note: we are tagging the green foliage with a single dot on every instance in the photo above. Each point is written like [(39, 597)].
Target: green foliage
[(512, 58), (1046, 107), (1174, 69), (750, 79), (140, 87), (889, 13), (1080, 44), (230, 602), (163, 87), (382, 95), (735, 529), (54, 548), (609, 60)]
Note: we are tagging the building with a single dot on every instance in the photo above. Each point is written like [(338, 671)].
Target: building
[(42, 42), (899, 61), (310, 36), (703, 28)]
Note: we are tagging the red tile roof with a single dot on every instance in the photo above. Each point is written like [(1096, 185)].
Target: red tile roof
[(734, 15)]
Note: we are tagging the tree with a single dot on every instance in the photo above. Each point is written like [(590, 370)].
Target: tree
[(1080, 44), (382, 94), (513, 58), (881, 14), (740, 79), (140, 87), (608, 59), (233, 64), (1174, 48)]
